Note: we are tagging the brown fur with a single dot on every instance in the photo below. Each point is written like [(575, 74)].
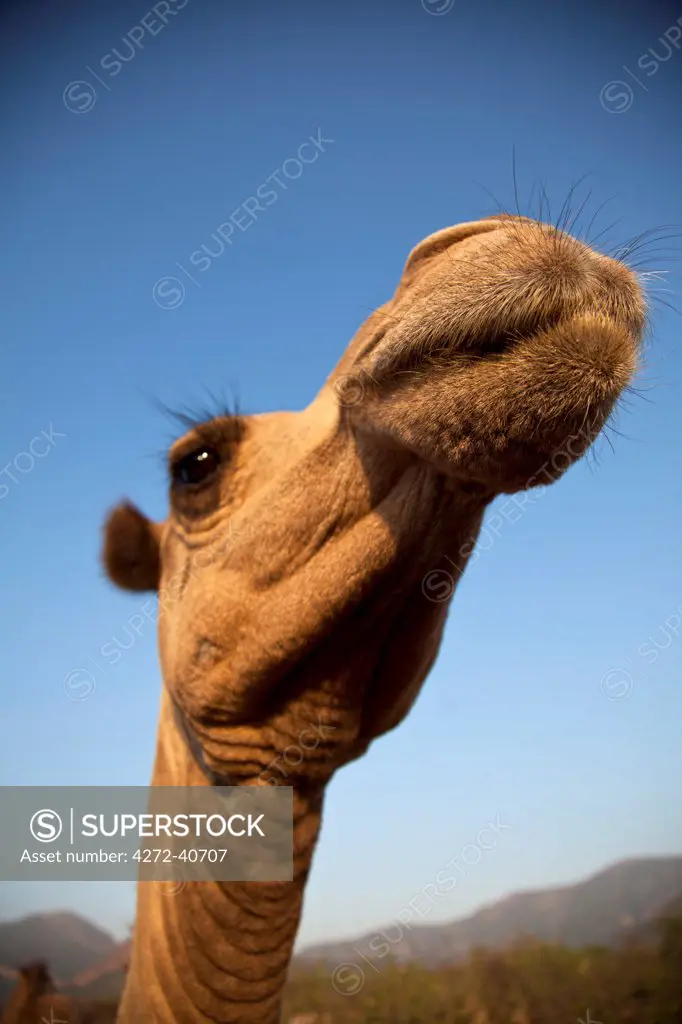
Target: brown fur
[(131, 550), (292, 580)]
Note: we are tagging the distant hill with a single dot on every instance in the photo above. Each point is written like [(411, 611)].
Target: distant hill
[(602, 910), (104, 980), (69, 943), (616, 904)]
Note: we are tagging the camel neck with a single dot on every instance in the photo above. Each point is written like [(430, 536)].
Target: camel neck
[(214, 951), (194, 748)]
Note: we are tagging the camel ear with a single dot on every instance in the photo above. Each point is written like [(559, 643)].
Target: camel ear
[(131, 549)]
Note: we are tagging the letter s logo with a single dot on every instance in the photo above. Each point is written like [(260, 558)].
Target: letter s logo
[(46, 826)]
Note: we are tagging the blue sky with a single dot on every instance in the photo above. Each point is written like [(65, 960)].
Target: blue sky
[(110, 189)]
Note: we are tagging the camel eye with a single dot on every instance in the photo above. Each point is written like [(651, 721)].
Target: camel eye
[(196, 468)]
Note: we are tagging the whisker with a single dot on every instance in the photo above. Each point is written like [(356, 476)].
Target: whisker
[(594, 217), (516, 186), (596, 238)]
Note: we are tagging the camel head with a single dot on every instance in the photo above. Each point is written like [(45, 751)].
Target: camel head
[(294, 623), (289, 566), (35, 999), (36, 978)]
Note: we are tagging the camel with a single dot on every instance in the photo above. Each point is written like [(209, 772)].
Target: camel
[(298, 612), (35, 999)]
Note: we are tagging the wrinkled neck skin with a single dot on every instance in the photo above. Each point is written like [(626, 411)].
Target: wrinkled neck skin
[(335, 616), (214, 951)]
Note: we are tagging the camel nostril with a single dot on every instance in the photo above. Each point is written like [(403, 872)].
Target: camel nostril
[(497, 343)]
